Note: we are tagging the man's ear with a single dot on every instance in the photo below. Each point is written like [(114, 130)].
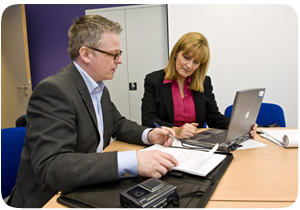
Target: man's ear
[(84, 54)]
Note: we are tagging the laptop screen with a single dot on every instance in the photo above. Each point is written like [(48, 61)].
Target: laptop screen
[(245, 109)]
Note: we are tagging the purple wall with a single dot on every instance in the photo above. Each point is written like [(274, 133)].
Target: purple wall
[(47, 28)]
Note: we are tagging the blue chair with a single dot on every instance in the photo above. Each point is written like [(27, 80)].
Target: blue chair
[(268, 114), (12, 142)]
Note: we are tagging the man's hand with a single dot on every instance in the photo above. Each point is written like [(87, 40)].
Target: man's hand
[(160, 136), (154, 163)]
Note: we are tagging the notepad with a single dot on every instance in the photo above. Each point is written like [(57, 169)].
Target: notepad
[(282, 137), (192, 161)]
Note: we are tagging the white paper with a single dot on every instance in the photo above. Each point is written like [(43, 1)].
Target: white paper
[(192, 161), (176, 143), (286, 137), (251, 143)]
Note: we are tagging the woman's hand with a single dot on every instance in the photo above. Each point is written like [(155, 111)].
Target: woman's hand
[(188, 130), (253, 131)]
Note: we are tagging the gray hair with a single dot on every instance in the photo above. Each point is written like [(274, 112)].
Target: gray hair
[(87, 31)]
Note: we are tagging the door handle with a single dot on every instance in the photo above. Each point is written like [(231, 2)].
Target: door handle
[(23, 87)]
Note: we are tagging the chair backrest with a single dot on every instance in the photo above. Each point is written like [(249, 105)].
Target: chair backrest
[(12, 142), (21, 121), (268, 114)]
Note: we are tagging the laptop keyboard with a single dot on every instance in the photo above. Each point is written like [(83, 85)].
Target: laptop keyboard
[(216, 138), (219, 138)]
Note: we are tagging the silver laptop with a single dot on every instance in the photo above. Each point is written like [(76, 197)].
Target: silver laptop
[(245, 109)]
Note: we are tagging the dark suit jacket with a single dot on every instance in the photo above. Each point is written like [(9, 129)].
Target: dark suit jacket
[(62, 137), (157, 103)]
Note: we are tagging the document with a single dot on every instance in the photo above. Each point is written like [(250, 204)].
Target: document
[(282, 137), (250, 144), (192, 160)]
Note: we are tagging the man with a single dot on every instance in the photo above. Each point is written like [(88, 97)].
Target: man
[(71, 119)]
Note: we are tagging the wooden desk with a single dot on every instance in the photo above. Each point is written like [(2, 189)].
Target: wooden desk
[(259, 177)]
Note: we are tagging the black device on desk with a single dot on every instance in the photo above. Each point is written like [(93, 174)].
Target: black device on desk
[(152, 193), (193, 191)]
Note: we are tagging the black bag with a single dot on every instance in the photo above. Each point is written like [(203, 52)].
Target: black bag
[(194, 191)]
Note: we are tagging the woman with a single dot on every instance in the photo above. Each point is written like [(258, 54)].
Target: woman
[(181, 95)]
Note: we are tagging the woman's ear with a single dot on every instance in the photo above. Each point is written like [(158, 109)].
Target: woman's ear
[(84, 54)]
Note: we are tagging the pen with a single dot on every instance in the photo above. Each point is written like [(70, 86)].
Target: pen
[(172, 137)]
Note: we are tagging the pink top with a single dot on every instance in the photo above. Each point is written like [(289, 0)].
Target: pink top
[(184, 108)]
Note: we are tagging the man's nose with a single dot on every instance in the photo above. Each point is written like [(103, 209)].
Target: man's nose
[(119, 60)]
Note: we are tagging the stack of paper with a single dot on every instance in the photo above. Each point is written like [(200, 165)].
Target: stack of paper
[(282, 137), (191, 160)]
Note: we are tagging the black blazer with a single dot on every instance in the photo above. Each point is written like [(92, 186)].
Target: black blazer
[(157, 104), (61, 140)]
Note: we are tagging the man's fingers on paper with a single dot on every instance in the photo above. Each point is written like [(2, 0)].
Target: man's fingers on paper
[(162, 170), (156, 175), (166, 164), (170, 158)]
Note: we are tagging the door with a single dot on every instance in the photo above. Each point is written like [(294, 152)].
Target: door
[(15, 69), (145, 49)]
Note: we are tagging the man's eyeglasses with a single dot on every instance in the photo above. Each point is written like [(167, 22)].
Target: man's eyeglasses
[(116, 56)]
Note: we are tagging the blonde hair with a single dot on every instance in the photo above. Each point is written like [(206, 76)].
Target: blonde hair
[(87, 31), (196, 44)]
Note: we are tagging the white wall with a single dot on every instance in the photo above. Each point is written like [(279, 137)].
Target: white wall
[(251, 46)]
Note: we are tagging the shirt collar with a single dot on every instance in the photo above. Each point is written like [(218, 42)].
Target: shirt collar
[(166, 81), (90, 83)]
